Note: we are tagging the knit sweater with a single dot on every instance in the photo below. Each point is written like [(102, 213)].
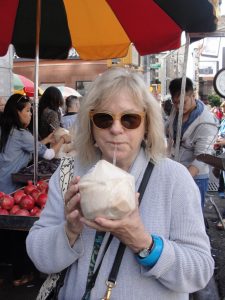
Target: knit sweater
[(168, 209), (198, 138)]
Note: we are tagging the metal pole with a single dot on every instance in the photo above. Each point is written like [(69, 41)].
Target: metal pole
[(35, 112), (181, 106)]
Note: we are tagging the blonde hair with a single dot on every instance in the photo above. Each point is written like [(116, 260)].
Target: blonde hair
[(109, 84)]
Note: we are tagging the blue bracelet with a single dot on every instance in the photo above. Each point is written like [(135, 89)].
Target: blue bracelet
[(154, 254)]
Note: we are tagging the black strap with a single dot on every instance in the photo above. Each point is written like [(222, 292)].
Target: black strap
[(119, 255), (91, 283)]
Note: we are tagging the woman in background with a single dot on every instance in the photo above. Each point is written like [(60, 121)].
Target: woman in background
[(49, 113), (17, 143), (16, 149)]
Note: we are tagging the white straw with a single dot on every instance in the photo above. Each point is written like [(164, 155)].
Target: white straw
[(114, 155)]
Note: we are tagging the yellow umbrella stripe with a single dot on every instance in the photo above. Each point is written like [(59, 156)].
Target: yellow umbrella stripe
[(99, 25)]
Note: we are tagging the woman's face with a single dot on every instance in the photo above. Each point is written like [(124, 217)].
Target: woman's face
[(25, 115), (118, 141)]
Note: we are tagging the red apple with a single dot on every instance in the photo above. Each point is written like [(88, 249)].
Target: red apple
[(18, 196), (14, 209), (42, 186), (29, 187), (35, 210), (7, 202), (4, 211), (42, 199), (1, 194), (35, 193), (38, 214), (22, 212), (27, 202)]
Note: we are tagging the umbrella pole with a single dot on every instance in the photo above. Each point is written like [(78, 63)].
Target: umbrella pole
[(35, 112), (182, 95)]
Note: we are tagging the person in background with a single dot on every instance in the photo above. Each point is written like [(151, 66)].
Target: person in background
[(17, 143), (72, 108), (167, 106), (198, 133), (49, 113), (219, 148), (16, 149), (167, 252)]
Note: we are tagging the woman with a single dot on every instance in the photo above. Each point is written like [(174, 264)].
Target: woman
[(49, 114), (17, 143), (130, 119), (16, 149)]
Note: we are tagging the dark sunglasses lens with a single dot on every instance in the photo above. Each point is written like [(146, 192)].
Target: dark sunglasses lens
[(102, 120), (131, 121)]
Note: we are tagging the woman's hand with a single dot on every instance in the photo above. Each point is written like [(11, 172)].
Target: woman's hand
[(67, 138), (73, 214), (129, 230), (50, 139)]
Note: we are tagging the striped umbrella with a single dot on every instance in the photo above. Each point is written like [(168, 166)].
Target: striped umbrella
[(101, 29), (23, 84)]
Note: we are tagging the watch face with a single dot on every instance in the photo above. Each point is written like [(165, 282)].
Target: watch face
[(219, 83), (144, 253)]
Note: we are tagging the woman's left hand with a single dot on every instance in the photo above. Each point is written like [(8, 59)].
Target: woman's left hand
[(130, 230)]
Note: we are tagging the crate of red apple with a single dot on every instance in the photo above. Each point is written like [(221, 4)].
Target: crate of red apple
[(23, 203)]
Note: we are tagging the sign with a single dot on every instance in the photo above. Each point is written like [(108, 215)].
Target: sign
[(155, 66)]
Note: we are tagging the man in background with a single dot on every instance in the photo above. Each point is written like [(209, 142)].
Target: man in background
[(198, 133), (72, 108)]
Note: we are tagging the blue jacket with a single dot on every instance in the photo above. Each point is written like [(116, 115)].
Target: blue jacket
[(18, 153)]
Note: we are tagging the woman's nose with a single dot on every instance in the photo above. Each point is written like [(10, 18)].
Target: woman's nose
[(116, 127)]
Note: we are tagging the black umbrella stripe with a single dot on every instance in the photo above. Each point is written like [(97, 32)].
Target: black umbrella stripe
[(55, 40), (186, 14)]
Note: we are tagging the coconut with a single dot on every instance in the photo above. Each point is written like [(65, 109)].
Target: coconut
[(107, 191), (59, 132)]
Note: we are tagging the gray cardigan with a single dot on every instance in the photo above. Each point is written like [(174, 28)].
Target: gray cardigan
[(197, 139), (170, 208)]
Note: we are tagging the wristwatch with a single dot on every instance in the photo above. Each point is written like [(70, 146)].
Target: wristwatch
[(146, 251), (219, 82)]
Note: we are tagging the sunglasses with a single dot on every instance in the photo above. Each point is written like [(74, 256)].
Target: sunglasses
[(105, 120), (24, 97)]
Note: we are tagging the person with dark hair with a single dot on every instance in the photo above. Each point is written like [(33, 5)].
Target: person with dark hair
[(49, 114), (16, 149), (17, 143), (72, 108), (198, 133)]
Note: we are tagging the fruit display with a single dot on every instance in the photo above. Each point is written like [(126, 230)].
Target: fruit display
[(28, 201), (45, 169)]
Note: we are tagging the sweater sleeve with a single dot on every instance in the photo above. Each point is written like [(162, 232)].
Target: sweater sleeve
[(186, 264), (47, 243), (203, 141)]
